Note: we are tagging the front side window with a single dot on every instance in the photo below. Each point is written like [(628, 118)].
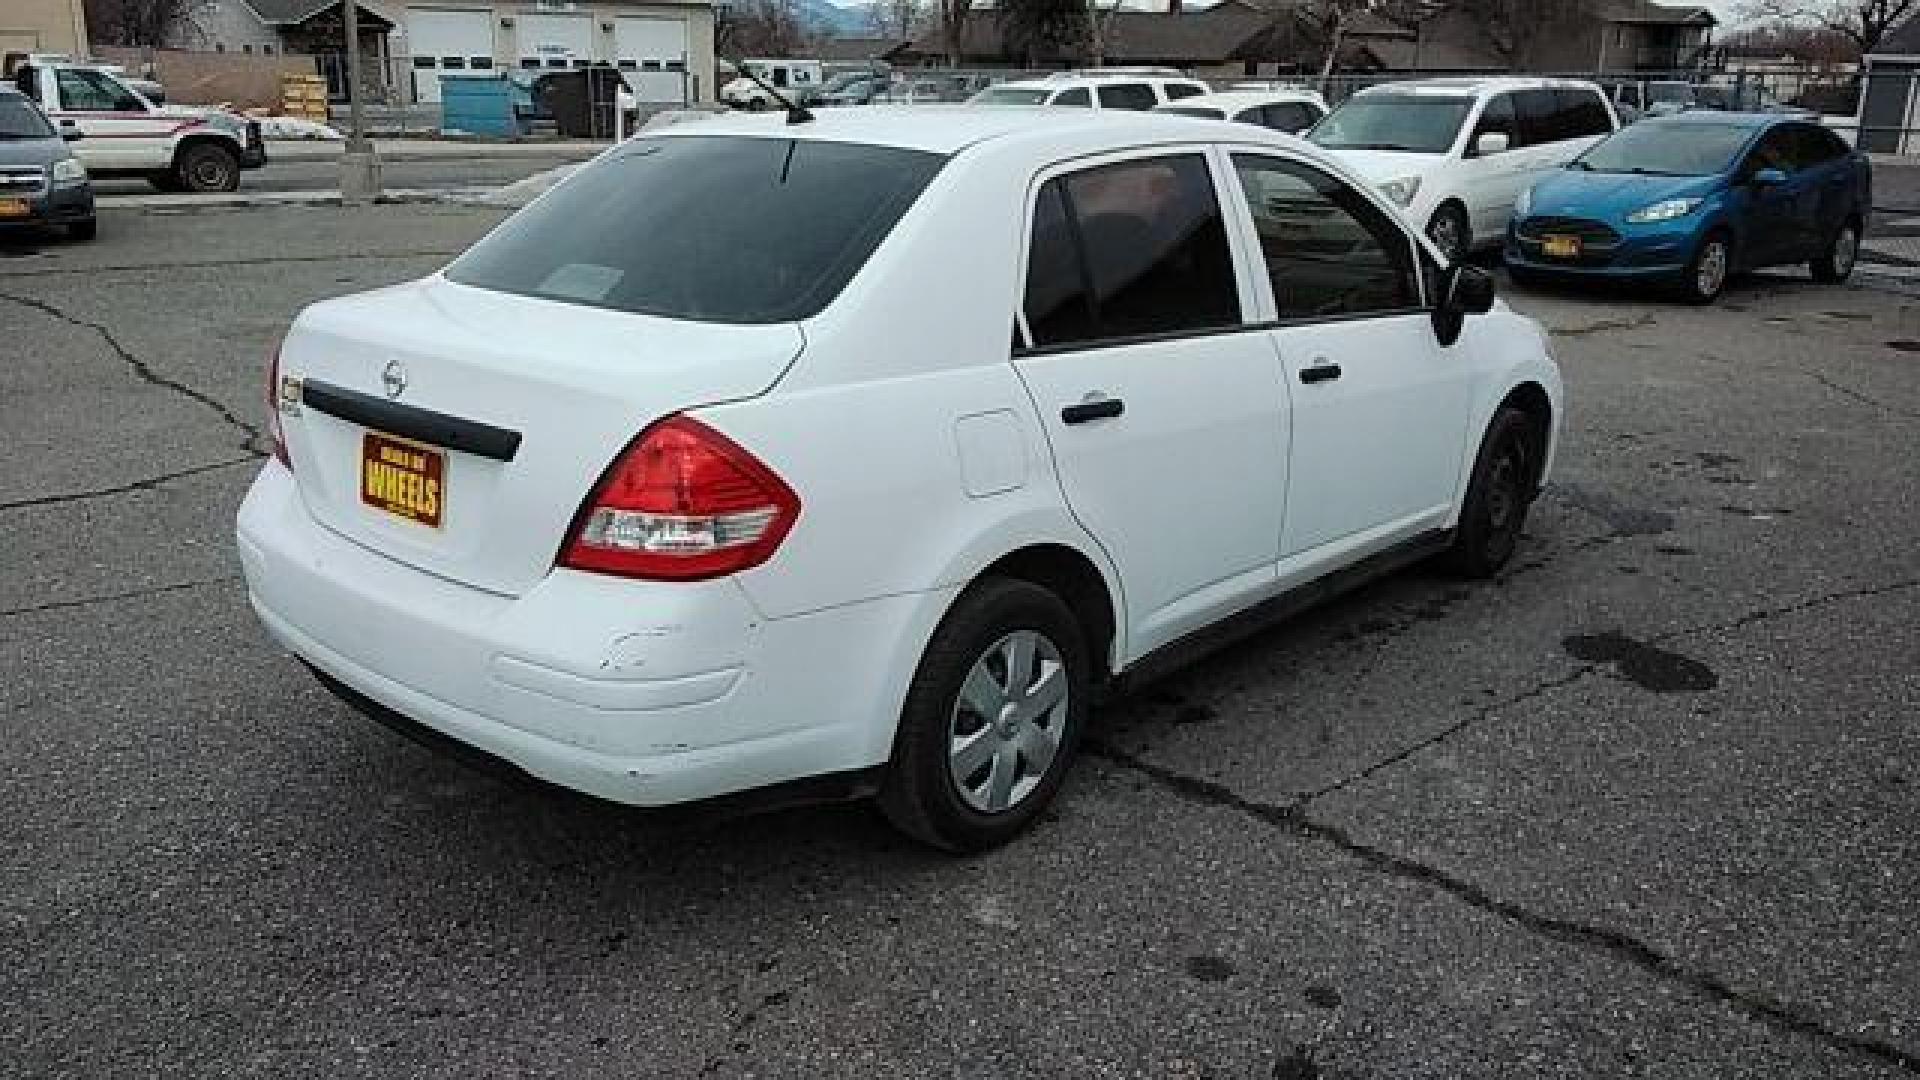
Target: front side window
[(1408, 122), (92, 91), (1500, 115), (721, 229), (1817, 145), (1585, 113), (1077, 96), (1176, 91), (1541, 119), (1133, 249), (1284, 116), (1135, 96), (1330, 253)]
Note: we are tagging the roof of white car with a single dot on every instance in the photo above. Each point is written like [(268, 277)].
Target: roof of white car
[(1468, 86), (946, 129), (1240, 99)]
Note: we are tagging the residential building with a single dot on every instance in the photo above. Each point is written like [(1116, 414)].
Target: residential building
[(1890, 103), (43, 26)]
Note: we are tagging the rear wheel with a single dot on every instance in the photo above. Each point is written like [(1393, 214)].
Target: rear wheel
[(205, 167), (1707, 274), (991, 720), (1498, 496), (1836, 263), (1450, 232)]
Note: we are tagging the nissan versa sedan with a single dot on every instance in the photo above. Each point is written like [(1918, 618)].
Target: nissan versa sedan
[(1687, 201), (860, 456)]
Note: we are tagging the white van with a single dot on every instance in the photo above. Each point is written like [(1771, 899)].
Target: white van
[(796, 80), (1454, 154), (1136, 89)]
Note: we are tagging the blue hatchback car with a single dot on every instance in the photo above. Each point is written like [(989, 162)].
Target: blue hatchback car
[(1687, 201)]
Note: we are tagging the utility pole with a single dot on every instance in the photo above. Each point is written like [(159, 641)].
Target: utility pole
[(359, 165)]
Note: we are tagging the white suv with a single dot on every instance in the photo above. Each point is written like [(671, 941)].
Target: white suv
[(1455, 154), (669, 489), (1108, 88)]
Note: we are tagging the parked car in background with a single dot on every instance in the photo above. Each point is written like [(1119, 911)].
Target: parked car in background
[(41, 182), (792, 79), (1108, 88), (1454, 154), (177, 148), (858, 91), (924, 90), (1664, 97), (1689, 200), (1291, 111), (568, 501)]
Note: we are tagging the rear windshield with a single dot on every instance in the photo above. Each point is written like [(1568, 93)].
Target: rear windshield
[(1654, 148), (707, 228), (20, 120), (1410, 123), (1010, 95)]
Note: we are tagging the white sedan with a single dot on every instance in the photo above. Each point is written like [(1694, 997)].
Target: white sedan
[(858, 456)]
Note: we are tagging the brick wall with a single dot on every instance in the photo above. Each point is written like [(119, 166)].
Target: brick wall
[(210, 78)]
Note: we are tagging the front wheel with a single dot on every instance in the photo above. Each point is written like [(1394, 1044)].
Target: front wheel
[(992, 718), (1498, 496), (1836, 263), (206, 167), (1706, 276)]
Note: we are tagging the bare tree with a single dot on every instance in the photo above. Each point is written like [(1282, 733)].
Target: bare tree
[(894, 18), (1513, 27), (1033, 31), (1863, 22), (952, 15), (140, 24), (1326, 23), (759, 28)]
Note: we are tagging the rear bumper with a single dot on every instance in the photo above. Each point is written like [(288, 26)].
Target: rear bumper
[(643, 693)]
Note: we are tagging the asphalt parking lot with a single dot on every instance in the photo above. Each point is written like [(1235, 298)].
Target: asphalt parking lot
[(1643, 807)]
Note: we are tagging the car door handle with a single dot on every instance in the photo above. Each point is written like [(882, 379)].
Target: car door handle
[(1099, 408), (1321, 371)]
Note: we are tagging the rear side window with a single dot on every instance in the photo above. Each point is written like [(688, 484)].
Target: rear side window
[(1777, 149), (1136, 96), (1541, 120), (1150, 248), (1176, 91), (1077, 96), (712, 229), (1583, 114)]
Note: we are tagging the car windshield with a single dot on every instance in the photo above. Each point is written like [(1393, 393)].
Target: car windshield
[(20, 120), (1667, 149), (1413, 123), (1194, 110), (715, 229), (1010, 95)]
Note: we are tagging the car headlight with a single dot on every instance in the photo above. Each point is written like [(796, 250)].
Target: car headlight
[(1523, 205), (1401, 191), (69, 171), (1664, 211)]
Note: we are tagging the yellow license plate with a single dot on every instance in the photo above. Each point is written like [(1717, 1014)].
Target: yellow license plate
[(404, 479), (1561, 247), (14, 208)]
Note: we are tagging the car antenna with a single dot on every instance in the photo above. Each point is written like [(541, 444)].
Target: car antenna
[(795, 113)]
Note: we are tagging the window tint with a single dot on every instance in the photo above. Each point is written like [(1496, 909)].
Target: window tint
[(1817, 146), (1584, 114), (1287, 116), (1076, 96), (1152, 250), (90, 91), (710, 228), (1499, 115), (1540, 117), (1329, 251), (1136, 96), (1776, 150), (20, 120), (1176, 91)]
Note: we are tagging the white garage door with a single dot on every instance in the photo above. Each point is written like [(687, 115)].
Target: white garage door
[(443, 40), (653, 53), (554, 41)]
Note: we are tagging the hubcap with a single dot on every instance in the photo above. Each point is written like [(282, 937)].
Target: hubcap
[(1713, 269), (1007, 724), (1845, 250)]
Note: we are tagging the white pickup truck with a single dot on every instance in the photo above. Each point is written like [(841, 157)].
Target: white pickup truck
[(176, 148)]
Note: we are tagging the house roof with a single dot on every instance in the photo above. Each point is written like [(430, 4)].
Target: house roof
[(295, 12), (1205, 36), (1648, 12)]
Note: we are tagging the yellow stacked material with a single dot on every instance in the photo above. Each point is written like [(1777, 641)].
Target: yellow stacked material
[(304, 96)]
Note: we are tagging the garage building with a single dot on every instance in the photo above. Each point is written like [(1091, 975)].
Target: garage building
[(665, 48)]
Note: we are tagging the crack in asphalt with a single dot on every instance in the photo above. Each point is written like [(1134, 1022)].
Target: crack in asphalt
[(1297, 821), (135, 594), (1760, 615), (268, 260), (1865, 399), (147, 484), (250, 433)]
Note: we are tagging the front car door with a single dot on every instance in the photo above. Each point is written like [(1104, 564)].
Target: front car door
[(1380, 410), (1831, 177), (1775, 232), (1164, 406), (120, 131)]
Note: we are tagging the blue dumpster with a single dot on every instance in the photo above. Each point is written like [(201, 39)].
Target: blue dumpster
[(479, 105)]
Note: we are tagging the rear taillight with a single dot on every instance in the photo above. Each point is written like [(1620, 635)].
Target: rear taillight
[(273, 408), (683, 503)]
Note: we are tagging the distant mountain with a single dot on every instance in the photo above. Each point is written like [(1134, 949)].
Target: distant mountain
[(832, 20)]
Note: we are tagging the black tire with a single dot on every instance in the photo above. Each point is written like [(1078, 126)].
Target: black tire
[(1498, 496), (164, 181), (1696, 287), (1835, 264), (1451, 232), (1526, 278), (920, 794), (207, 167), (83, 231)]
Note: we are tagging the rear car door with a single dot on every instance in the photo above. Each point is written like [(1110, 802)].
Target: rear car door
[(1165, 409), (1495, 179), (1380, 410)]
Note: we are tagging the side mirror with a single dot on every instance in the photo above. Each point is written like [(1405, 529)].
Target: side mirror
[(72, 134), (1464, 290), (1768, 178), (1492, 142)]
